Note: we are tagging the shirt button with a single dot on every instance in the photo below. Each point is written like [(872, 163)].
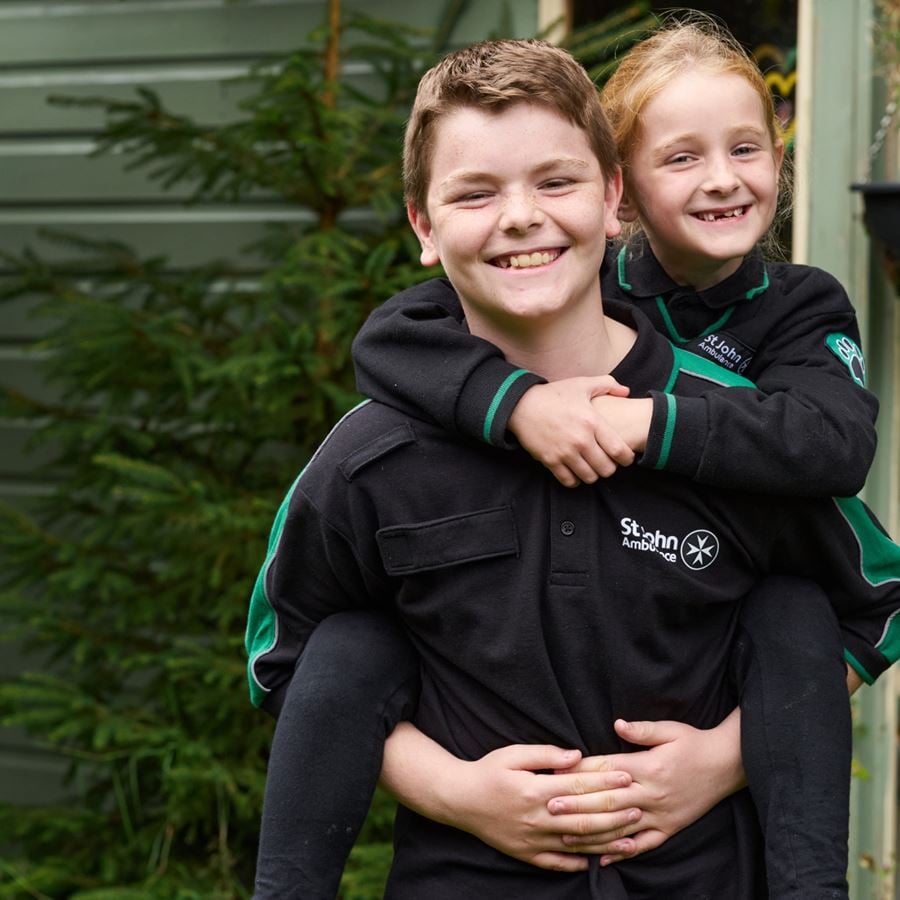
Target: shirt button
[(567, 528)]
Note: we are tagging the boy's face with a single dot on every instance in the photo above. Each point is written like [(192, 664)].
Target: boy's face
[(518, 211)]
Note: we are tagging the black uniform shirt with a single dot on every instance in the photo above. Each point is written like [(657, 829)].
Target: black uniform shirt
[(804, 427), (542, 613)]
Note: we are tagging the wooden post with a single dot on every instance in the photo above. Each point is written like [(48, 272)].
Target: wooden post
[(835, 130)]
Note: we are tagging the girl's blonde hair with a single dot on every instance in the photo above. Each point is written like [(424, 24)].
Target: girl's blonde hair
[(693, 44)]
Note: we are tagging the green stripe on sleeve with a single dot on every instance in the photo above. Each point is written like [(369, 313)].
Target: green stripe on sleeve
[(668, 433), (498, 399)]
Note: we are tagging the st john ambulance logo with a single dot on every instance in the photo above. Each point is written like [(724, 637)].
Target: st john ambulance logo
[(699, 549)]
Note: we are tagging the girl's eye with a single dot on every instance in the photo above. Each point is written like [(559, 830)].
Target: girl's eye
[(744, 150), (680, 158)]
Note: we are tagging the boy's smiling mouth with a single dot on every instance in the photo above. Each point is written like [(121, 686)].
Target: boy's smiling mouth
[(528, 260), (717, 215)]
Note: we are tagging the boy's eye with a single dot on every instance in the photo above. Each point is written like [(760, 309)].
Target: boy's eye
[(472, 197), (556, 183), (680, 158)]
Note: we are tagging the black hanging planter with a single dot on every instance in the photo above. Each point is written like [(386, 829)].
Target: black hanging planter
[(882, 215)]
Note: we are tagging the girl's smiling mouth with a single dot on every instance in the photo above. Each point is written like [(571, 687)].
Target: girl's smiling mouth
[(717, 215)]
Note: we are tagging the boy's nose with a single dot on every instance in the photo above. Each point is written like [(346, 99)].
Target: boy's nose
[(520, 212)]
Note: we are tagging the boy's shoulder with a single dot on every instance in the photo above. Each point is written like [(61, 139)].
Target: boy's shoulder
[(365, 433)]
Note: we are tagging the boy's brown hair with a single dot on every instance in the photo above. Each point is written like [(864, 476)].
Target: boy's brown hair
[(494, 75)]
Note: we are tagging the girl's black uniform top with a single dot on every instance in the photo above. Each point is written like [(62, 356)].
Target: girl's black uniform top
[(806, 428), (542, 613)]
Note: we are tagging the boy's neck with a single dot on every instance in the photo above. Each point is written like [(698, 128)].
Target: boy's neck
[(561, 349)]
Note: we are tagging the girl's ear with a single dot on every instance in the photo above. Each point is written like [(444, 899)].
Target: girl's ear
[(628, 211), (424, 232), (778, 151)]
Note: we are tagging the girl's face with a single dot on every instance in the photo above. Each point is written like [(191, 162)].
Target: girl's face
[(703, 178)]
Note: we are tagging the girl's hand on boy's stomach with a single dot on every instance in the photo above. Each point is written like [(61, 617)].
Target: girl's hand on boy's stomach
[(681, 777), (557, 424)]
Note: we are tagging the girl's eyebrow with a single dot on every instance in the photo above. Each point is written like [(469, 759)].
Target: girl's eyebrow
[(750, 129)]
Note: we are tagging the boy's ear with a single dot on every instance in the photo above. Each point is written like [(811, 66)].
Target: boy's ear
[(611, 200), (422, 227)]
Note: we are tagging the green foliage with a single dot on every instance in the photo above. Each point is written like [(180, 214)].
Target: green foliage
[(184, 405)]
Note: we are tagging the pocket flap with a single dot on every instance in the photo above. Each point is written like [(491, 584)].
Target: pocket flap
[(448, 542)]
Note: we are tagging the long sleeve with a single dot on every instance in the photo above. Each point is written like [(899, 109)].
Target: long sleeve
[(415, 353), (804, 426), (311, 570)]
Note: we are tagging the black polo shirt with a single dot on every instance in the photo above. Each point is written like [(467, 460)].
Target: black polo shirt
[(542, 613)]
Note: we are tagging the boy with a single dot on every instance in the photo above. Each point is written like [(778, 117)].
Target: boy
[(542, 614)]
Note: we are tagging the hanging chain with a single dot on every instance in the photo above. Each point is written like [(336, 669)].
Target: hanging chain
[(884, 126)]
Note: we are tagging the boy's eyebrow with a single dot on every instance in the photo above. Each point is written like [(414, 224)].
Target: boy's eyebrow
[(476, 176)]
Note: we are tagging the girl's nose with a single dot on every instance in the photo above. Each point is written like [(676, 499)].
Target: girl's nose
[(721, 177)]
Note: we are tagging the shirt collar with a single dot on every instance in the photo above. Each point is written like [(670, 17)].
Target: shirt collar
[(640, 274), (648, 364)]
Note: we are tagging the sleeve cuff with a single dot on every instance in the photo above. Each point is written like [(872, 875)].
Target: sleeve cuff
[(866, 662), (488, 398), (678, 429)]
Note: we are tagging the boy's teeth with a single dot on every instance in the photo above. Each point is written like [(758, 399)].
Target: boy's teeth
[(526, 260)]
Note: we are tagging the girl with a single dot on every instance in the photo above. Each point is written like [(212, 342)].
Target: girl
[(702, 156)]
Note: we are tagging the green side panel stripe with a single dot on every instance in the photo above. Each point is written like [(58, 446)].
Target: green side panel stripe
[(620, 268), (676, 335), (879, 556), (858, 666), (879, 560), (668, 434), (261, 635), (498, 399), (262, 623), (692, 364), (760, 287)]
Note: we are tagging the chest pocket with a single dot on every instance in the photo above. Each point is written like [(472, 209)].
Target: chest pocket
[(439, 543)]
